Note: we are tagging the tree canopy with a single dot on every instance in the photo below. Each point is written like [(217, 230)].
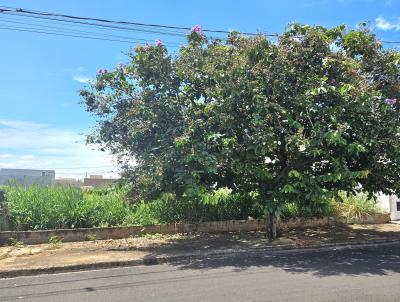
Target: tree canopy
[(293, 119)]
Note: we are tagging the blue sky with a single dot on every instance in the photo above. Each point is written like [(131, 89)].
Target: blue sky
[(41, 120)]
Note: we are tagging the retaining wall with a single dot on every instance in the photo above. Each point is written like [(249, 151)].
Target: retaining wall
[(70, 235)]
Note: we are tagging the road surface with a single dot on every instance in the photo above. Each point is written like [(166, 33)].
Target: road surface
[(364, 274)]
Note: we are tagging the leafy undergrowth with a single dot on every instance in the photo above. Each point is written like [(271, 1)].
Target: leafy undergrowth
[(356, 207), (39, 208)]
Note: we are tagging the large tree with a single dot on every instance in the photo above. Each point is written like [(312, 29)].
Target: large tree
[(295, 119)]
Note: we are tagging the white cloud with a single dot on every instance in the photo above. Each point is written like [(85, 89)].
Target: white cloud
[(40, 146), (16, 124), (81, 79), (52, 151), (383, 24), (387, 2)]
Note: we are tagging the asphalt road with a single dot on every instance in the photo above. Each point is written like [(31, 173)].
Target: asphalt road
[(365, 274)]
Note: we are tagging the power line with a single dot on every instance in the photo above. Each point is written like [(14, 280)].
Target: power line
[(69, 168), (82, 167), (60, 34), (134, 29), (75, 33), (391, 42), (147, 28), (67, 30), (85, 25), (48, 14)]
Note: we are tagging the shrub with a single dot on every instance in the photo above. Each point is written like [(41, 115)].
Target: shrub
[(293, 210), (354, 207), (55, 240)]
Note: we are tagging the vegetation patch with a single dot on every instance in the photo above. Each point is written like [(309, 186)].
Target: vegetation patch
[(41, 208)]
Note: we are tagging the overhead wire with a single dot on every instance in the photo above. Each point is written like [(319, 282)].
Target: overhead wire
[(76, 31), (107, 23), (50, 14), (61, 34), (136, 27), (144, 28), (124, 28)]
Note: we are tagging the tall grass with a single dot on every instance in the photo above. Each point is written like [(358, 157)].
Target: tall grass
[(298, 210), (354, 207), (220, 204), (38, 207)]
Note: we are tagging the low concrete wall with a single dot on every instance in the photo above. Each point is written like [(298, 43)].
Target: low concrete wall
[(70, 235)]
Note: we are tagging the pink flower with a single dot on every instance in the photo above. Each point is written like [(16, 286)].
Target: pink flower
[(197, 29), (159, 43), (147, 45), (102, 71), (390, 101)]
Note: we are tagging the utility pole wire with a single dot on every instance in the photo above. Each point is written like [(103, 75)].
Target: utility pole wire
[(106, 23), (76, 31), (48, 14), (135, 29)]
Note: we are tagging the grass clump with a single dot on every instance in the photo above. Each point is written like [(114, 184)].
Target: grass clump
[(55, 240), (354, 207), (15, 243)]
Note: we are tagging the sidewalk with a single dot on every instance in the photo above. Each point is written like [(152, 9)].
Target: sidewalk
[(152, 249)]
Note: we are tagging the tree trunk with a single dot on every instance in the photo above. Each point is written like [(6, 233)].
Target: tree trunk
[(272, 226)]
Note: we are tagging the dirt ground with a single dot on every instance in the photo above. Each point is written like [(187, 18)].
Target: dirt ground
[(63, 254)]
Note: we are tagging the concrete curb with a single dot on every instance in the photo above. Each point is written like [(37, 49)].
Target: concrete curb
[(278, 249), (82, 234)]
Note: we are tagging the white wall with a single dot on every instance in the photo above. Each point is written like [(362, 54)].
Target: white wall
[(383, 202), (26, 177), (388, 203)]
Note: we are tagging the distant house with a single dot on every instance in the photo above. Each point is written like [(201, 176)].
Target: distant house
[(390, 204), (27, 177), (98, 181), (69, 182)]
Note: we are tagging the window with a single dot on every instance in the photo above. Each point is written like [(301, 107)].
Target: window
[(398, 206), (43, 173)]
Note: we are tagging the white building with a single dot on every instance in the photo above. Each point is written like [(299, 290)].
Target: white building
[(390, 204), (26, 177)]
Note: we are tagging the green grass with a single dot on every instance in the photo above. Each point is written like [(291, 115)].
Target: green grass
[(39, 208), (293, 210), (57, 207), (218, 205)]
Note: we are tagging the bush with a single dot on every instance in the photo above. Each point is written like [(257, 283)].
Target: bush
[(141, 214), (299, 210), (220, 204), (356, 206)]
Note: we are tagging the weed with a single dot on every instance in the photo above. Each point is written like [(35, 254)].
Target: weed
[(91, 237), (14, 242), (55, 240)]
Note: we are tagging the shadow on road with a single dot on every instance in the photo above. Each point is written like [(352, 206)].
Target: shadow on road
[(367, 261), (378, 260)]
